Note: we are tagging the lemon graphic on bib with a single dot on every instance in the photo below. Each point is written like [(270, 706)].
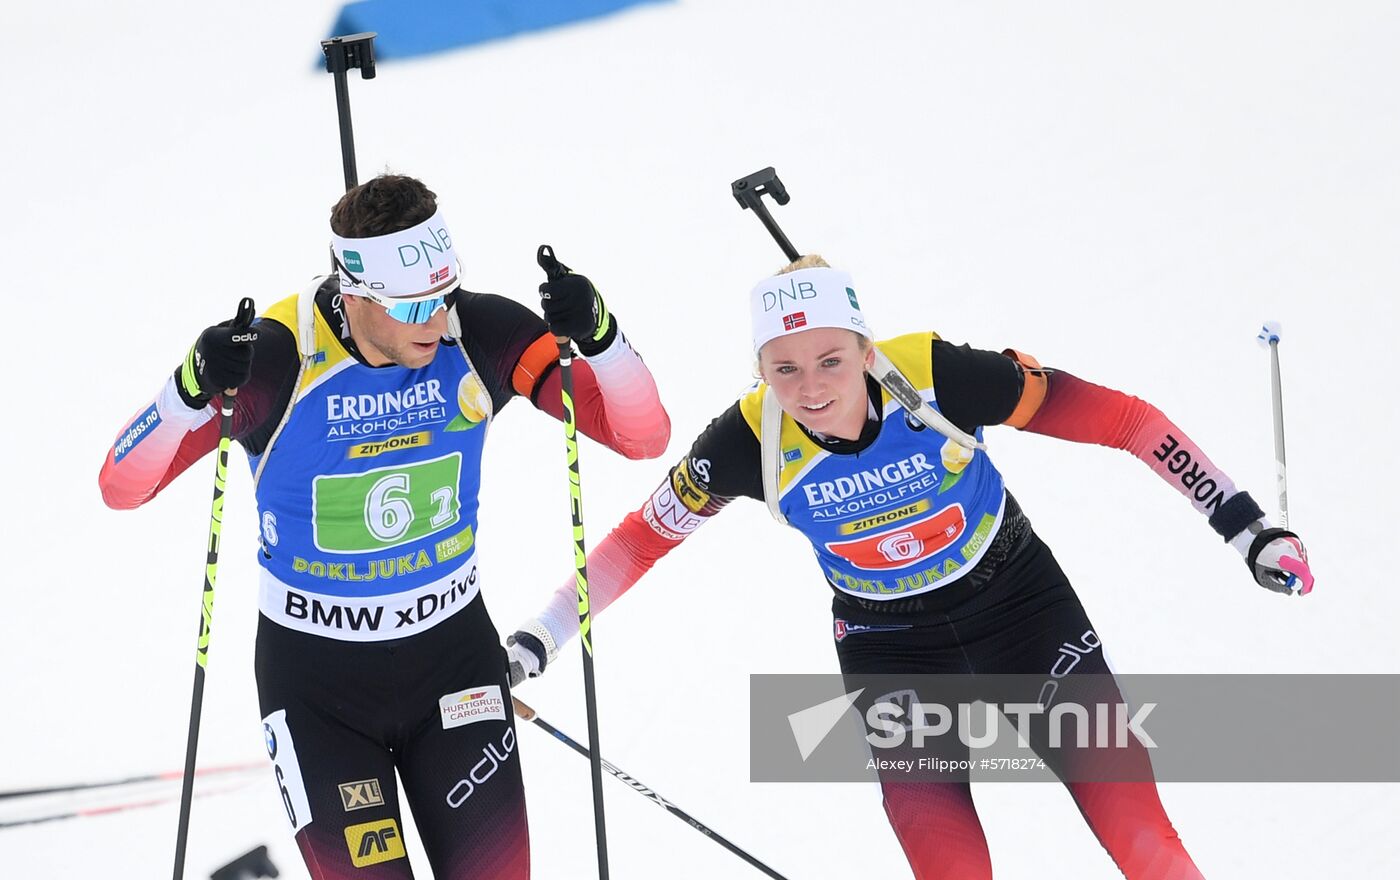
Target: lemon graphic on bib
[(474, 402), (956, 458)]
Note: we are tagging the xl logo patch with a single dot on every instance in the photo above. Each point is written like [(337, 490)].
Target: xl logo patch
[(361, 794)]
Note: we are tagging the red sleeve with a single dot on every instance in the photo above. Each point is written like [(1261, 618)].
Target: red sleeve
[(166, 436), (1083, 412), (137, 469), (143, 462), (636, 432)]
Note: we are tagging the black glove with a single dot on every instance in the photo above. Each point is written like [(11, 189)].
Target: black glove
[(220, 359), (573, 307)]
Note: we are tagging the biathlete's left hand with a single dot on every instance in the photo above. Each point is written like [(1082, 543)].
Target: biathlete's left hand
[(1279, 562), (573, 307)]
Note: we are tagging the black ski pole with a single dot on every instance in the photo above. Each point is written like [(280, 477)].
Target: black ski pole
[(121, 807), (555, 269), (528, 714), (749, 192), (342, 55), (167, 776), (241, 322)]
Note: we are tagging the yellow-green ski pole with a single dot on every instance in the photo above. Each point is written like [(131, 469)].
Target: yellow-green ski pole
[(206, 615), (554, 269)]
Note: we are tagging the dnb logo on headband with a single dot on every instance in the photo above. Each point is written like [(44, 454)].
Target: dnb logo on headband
[(793, 291), (412, 254), (807, 299), (406, 264)]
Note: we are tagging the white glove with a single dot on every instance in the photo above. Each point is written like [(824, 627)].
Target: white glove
[(528, 651), (1276, 557)]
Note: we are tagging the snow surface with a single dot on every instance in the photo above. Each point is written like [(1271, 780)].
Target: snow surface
[(1124, 190)]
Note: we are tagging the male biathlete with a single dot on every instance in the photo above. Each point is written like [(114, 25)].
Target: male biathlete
[(363, 404), (934, 567)]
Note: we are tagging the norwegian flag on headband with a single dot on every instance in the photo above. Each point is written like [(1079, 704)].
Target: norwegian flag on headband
[(795, 320), (439, 275)]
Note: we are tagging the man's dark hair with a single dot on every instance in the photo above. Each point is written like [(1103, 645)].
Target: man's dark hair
[(386, 204)]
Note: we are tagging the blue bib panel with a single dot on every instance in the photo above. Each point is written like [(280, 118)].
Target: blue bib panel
[(367, 497), (903, 516)]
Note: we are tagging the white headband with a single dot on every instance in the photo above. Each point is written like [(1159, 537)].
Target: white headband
[(804, 300), (413, 263)]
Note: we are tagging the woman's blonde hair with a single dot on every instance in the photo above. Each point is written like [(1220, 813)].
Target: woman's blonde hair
[(811, 261)]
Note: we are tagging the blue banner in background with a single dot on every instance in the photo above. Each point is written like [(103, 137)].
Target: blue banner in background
[(408, 28)]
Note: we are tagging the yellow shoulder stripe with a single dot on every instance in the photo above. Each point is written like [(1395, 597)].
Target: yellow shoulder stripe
[(329, 351), (911, 353), (284, 312), (751, 408)]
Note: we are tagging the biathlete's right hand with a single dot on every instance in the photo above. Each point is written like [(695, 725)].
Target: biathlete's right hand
[(528, 651), (220, 359)]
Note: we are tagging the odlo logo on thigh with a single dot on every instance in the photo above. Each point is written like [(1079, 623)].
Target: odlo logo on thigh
[(373, 842), (1067, 656), (492, 757)]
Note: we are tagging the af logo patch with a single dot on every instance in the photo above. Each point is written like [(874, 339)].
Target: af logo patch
[(361, 794), (374, 842), (687, 490)]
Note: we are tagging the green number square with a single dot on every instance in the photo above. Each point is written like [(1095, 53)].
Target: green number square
[(385, 507)]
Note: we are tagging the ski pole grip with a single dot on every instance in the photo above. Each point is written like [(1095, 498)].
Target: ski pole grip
[(553, 270), (242, 320)]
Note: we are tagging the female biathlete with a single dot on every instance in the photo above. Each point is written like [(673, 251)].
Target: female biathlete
[(363, 404), (934, 566)]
